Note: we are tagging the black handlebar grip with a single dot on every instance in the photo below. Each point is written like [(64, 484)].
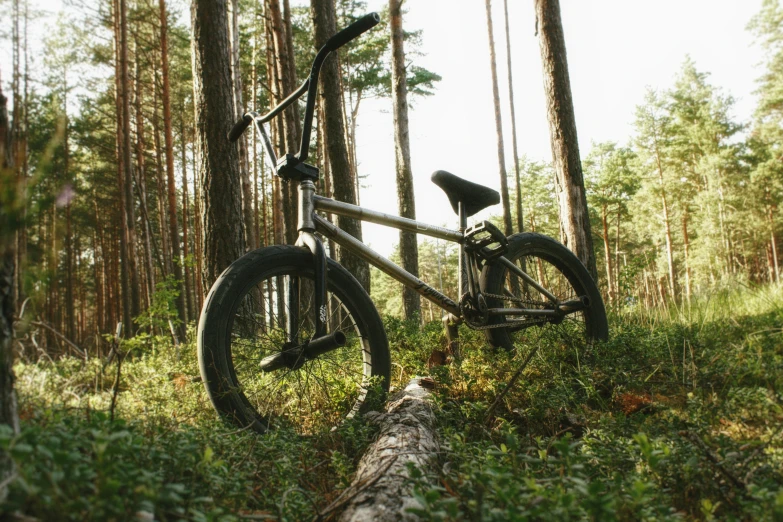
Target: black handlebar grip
[(239, 127), (363, 24)]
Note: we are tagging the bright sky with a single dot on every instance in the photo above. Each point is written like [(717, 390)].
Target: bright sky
[(616, 48)]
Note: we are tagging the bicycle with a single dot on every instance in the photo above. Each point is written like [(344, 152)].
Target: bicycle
[(287, 336)]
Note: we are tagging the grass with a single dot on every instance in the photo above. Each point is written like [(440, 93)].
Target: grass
[(678, 416)]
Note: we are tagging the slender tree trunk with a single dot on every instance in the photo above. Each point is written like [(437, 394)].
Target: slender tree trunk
[(141, 180), (198, 219), (70, 305), (607, 255), (127, 160), (80, 282), (124, 248), (18, 146), (686, 248), (172, 188), (666, 226), (574, 216), (161, 190), (276, 125), (218, 169), (520, 217), (509, 229), (773, 243), (259, 234), (409, 248), (8, 405), (617, 253), (324, 24), (185, 204), (239, 110), (281, 25), (99, 264)]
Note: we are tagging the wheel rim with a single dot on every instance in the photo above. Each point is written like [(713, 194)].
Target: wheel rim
[(321, 392), (574, 328)]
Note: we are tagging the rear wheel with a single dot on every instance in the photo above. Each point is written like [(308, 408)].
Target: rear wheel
[(558, 270), (248, 317)]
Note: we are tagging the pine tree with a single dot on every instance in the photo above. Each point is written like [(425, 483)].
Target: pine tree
[(409, 251), (218, 159), (562, 131)]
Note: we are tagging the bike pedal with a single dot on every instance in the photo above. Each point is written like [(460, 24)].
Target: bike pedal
[(486, 240)]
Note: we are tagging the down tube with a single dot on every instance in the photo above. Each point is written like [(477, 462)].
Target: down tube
[(384, 265)]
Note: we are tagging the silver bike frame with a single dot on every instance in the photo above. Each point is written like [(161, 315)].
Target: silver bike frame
[(310, 222)]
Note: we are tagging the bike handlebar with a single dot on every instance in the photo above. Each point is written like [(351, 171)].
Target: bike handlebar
[(239, 127), (356, 29)]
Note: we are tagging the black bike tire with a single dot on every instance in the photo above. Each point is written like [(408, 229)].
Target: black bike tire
[(555, 253), (215, 325)]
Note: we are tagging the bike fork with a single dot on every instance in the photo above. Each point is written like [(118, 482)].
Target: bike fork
[(307, 238)]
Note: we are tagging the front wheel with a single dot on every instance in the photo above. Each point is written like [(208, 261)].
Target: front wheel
[(558, 270), (249, 316)]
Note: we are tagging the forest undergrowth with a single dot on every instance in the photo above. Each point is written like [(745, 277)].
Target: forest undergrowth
[(679, 415)]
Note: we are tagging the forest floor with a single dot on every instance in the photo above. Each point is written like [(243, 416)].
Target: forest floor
[(678, 416)]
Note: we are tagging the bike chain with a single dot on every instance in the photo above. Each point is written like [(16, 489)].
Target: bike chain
[(477, 326), (516, 299)]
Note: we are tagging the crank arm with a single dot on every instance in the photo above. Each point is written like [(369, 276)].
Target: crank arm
[(295, 357)]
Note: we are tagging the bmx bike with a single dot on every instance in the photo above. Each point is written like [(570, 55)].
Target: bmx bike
[(287, 336)]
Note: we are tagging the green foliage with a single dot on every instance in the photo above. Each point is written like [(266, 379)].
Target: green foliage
[(630, 429), (167, 454), (163, 308)]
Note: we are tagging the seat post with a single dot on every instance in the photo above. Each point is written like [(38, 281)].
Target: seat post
[(463, 218), (463, 225), (450, 322)]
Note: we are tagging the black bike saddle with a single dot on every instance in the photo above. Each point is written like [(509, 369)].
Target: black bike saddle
[(474, 197)]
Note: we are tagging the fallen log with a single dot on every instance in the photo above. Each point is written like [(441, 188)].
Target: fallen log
[(381, 492)]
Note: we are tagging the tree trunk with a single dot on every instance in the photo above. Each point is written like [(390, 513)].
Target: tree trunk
[(292, 128), (127, 160), (498, 126), (686, 249), (118, 88), (99, 266), (324, 24), (667, 230), (574, 216), (607, 254), (520, 217), (239, 110), (172, 188), (773, 244), (70, 305), (8, 408), (142, 185), (160, 185), (198, 242), (218, 158), (409, 248), (187, 267), (407, 437)]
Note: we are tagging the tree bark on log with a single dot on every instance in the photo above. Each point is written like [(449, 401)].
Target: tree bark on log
[(380, 492)]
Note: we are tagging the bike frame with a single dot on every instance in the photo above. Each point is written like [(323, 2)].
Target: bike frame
[(310, 222)]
